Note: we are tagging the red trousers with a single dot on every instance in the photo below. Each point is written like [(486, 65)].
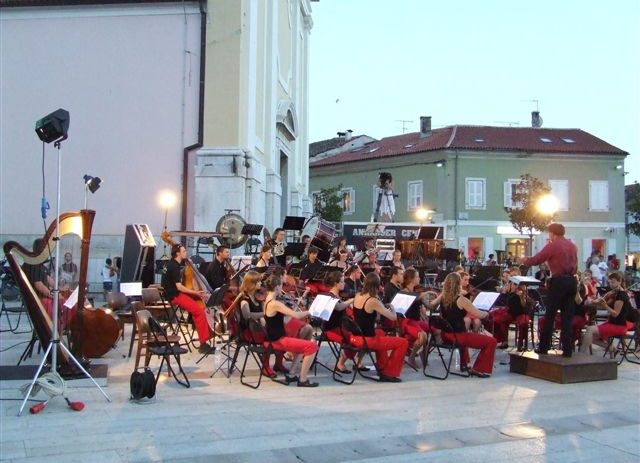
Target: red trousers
[(293, 326), (186, 302), (606, 330), (388, 364), (294, 345), (499, 322), (413, 328), (486, 344), (260, 338), (316, 287), (577, 323)]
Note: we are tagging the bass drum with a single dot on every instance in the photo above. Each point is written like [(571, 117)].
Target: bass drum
[(321, 232)]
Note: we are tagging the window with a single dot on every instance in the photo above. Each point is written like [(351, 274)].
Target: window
[(414, 195), (560, 189), (509, 190), (475, 193), (545, 140), (568, 140), (316, 199), (598, 195), (348, 200)]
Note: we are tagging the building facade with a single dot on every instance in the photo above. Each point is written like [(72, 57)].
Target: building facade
[(466, 175), (205, 99)]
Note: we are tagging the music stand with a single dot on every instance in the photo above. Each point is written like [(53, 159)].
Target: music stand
[(428, 233), (294, 223), (251, 229), (323, 272), (373, 229), (296, 269), (294, 249)]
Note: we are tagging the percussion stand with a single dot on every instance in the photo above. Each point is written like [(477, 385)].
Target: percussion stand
[(55, 342)]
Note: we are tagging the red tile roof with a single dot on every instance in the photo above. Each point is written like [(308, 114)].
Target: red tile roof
[(480, 138), (35, 3)]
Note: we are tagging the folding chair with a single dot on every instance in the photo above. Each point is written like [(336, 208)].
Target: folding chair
[(320, 336), (257, 350), (15, 309), (154, 301), (349, 328), (627, 346), (439, 345), (158, 344)]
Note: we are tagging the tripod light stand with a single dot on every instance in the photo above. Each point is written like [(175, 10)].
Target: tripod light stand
[(53, 128)]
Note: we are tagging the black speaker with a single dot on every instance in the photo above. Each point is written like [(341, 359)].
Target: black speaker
[(138, 255)]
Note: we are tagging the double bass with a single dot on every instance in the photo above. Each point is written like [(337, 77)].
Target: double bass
[(93, 331)]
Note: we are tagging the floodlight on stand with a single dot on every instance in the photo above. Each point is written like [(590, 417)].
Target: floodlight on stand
[(548, 204), (423, 214), (90, 184), (53, 127)]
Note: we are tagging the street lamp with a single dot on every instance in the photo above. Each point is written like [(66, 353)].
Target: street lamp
[(548, 204), (167, 199), (423, 214)]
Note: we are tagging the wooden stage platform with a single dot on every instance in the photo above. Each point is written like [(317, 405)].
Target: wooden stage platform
[(577, 369)]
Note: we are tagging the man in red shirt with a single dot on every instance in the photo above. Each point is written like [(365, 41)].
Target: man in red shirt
[(562, 257)]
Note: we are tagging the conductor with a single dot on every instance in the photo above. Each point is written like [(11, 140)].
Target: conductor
[(562, 257)]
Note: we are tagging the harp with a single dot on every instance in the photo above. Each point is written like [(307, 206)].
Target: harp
[(69, 223)]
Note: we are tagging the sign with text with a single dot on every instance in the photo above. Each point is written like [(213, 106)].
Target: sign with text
[(355, 233)]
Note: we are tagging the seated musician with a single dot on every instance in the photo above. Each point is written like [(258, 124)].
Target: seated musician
[(617, 304), (43, 284), (274, 313), (251, 308), (454, 307), (218, 269), (543, 274), (579, 319), (331, 327), (516, 311), (414, 325), (396, 261), (363, 254), (341, 260), (186, 298), (341, 246), (279, 245), (353, 281), (371, 264), (308, 273), (264, 259), (366, 307), (472, 323)]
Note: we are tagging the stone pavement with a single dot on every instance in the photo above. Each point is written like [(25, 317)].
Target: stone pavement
[(503, 418)]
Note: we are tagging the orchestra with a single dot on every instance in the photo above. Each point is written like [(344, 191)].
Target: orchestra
[(271, 302)]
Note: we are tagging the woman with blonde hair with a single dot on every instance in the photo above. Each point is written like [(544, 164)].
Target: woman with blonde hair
[(454, 308)]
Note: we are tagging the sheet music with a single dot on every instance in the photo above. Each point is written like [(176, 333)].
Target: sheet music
[(322, 306), (401, 302), (531, 281), (485, 300), (73, 299)]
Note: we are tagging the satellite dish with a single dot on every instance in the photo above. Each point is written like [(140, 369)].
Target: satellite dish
[(230, 227)]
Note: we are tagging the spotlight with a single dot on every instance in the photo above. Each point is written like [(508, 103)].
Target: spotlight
[(92, 183), (440, 163), (619, 167), (54, 126)]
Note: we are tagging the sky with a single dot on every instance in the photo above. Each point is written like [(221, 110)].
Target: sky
[(375, 63)]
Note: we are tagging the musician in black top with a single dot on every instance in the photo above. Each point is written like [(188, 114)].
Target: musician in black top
[(353, 281), (617, 304), (217, 272), (390, 350), (331, 328), (413, 324), (274, 313), (186, 298), (454, 308)]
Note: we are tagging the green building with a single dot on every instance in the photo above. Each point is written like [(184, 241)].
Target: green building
[(466, 175)]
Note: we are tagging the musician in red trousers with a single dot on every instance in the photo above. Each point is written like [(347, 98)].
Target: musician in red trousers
[(186, 298), (331, 328), (454, 308), (366, 307)]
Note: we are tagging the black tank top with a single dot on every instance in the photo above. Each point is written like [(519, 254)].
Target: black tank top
[(275, 325), (254, 307), (366, 321), (455, 316)]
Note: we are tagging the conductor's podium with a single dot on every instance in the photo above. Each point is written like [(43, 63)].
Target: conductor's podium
[(577, 369)]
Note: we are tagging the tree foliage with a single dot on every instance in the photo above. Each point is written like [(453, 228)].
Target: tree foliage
[(525, 216), (632, 194), (328, 203)]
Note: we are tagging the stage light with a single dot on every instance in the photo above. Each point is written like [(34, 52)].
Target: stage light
[(548, 204), (423, 214), (92, 183), (53, 127), (167, 199), (440, 163)]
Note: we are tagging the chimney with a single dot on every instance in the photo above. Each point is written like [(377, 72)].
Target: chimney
[(348, 135), (425, 126), (536, 120), (341, 135)]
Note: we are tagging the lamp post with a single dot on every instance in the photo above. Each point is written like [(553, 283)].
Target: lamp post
[(547, 205), (167, 199)]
